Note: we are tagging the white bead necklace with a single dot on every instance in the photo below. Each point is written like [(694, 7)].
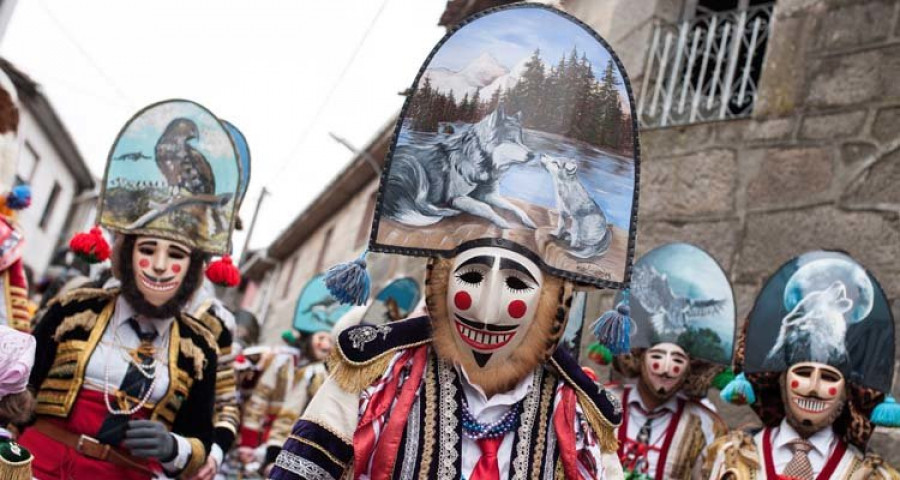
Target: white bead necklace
[(106, 389)]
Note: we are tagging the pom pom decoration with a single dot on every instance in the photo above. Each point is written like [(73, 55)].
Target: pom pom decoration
[(723, 378), (739, 391), (349, 282), (289, 337), (600, 354), (223, 273), (90, 247), (19, 197), (613, 328), (887, 413)]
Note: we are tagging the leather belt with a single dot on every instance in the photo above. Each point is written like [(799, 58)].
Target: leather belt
[(91, 447)]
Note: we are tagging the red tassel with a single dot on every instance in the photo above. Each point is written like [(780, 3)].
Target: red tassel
[(223, 273), (91, 246)]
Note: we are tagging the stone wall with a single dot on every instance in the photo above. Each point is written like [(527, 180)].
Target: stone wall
[(817, 166)]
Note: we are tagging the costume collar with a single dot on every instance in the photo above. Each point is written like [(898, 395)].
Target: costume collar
[(479, 401), (822, 441), (125, 311), (634, 399)]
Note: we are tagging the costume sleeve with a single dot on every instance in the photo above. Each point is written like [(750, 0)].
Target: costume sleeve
[(227, 418), (20, 317), (258, 407), (194, 421)]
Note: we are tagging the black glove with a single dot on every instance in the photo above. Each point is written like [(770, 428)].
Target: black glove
[(150, 439)]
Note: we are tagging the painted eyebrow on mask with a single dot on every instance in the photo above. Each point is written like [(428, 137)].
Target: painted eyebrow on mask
[(507, 264), (485, 260)]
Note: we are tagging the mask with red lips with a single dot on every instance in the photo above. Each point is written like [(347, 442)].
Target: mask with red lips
[(496, 314)]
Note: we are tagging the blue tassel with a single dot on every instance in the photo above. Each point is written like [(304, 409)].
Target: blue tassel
[(613, 329), (349, 282), (739, 391), (19, 197), (887, 413)]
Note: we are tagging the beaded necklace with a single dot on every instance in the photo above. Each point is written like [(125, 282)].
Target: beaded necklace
[(476, 430)]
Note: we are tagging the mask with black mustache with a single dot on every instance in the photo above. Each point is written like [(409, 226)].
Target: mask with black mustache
[(496, 314), (158, 276), (664, 369)]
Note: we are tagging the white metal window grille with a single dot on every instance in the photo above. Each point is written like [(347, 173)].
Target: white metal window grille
[(705, 69)]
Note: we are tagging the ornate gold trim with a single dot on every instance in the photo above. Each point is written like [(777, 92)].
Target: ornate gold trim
[(93, 340), (343, 358), (319, 448), (174, 343), (198, 458)]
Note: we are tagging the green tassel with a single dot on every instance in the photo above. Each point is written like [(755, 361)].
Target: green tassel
[(600, 354), (722, 380), (887, 413)]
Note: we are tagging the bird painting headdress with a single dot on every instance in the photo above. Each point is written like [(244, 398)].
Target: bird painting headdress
[(174, 172)]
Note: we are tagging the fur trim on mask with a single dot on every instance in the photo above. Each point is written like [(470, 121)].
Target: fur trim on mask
[(540, 341), (122, 268)]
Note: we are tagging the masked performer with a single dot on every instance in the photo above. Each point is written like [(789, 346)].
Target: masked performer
[(16, 402), (683, 309), (14, 310), (126, 381), (817, 357), (478, 389)]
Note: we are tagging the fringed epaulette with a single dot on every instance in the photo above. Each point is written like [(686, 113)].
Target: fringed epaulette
[(84, 320), (873, 467), (190, 350), (739, 457), (84, 295), (15, 461), (601, 408), (197, 327), (214, 324), (364, 351)]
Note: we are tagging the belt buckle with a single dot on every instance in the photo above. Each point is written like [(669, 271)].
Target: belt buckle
[(91, 447)]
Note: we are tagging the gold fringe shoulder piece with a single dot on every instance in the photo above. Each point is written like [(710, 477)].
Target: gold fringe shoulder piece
[(84, 294), (15, 462), (739, 453), (197, 327), (85, 320), (356, 378), (603, 429), (874, 468), (195, 353), (213, 324)]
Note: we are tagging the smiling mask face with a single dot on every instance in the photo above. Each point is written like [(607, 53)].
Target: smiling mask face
[(813, 395), (159, 268), (663, 371)]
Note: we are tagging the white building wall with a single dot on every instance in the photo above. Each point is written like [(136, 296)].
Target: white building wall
[(49, 170)]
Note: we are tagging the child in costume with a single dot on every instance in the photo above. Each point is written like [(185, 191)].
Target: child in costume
[(16, 402), (682, 307), (817, 357), (477, 388), (126, 382)]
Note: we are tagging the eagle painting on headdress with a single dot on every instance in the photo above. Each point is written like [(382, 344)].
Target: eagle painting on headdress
[(669, 313), (180, 163)]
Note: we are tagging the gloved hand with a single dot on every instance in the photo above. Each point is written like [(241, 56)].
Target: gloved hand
[(149, 439)]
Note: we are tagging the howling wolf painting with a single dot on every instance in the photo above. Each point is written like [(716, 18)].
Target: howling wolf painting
[(520, 128)]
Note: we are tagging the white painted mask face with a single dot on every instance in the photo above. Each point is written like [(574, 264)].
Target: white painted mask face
[(814, 396), (492, 298), (664, 369), (320, 344), (159, 267)]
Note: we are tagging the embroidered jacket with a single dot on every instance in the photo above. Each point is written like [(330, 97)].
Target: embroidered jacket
[(742, 456), (681, 445), (14, 303), (309, 378), (269, 396), (68, 334), (392, 409), (227, 419)]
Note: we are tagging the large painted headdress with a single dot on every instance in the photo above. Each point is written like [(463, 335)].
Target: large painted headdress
[(520, 133), (823, 307)]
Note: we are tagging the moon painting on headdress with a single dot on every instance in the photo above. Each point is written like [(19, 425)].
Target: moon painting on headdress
[(818, 275)]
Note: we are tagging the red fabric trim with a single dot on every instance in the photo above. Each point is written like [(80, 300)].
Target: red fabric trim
[(389, 440), (667, 443), (564, 426), (827, 471), (250, 438), (623, 428)]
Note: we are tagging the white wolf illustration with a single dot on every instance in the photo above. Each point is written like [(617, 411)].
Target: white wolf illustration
[(459, 175), (814, 330), (581, 220)]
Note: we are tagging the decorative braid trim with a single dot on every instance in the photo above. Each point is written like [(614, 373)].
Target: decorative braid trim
[(198, 458), (200, 330), (320, 448), (301, 466), (85, 320), (195, 353)]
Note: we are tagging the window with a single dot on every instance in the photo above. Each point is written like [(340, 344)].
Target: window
[(51, 203), (707, 67), (320, 262), (286, 283), (28, 163), (366, 227)]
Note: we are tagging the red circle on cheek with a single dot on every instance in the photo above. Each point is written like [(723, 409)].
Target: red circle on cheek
[(795, 384), (462, 300), (517, 309), (677, 369), (144, 263), (176, 268), (656, 366), (832, 391)]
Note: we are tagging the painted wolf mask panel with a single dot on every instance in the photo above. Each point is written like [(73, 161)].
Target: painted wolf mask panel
[(520, 128)]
